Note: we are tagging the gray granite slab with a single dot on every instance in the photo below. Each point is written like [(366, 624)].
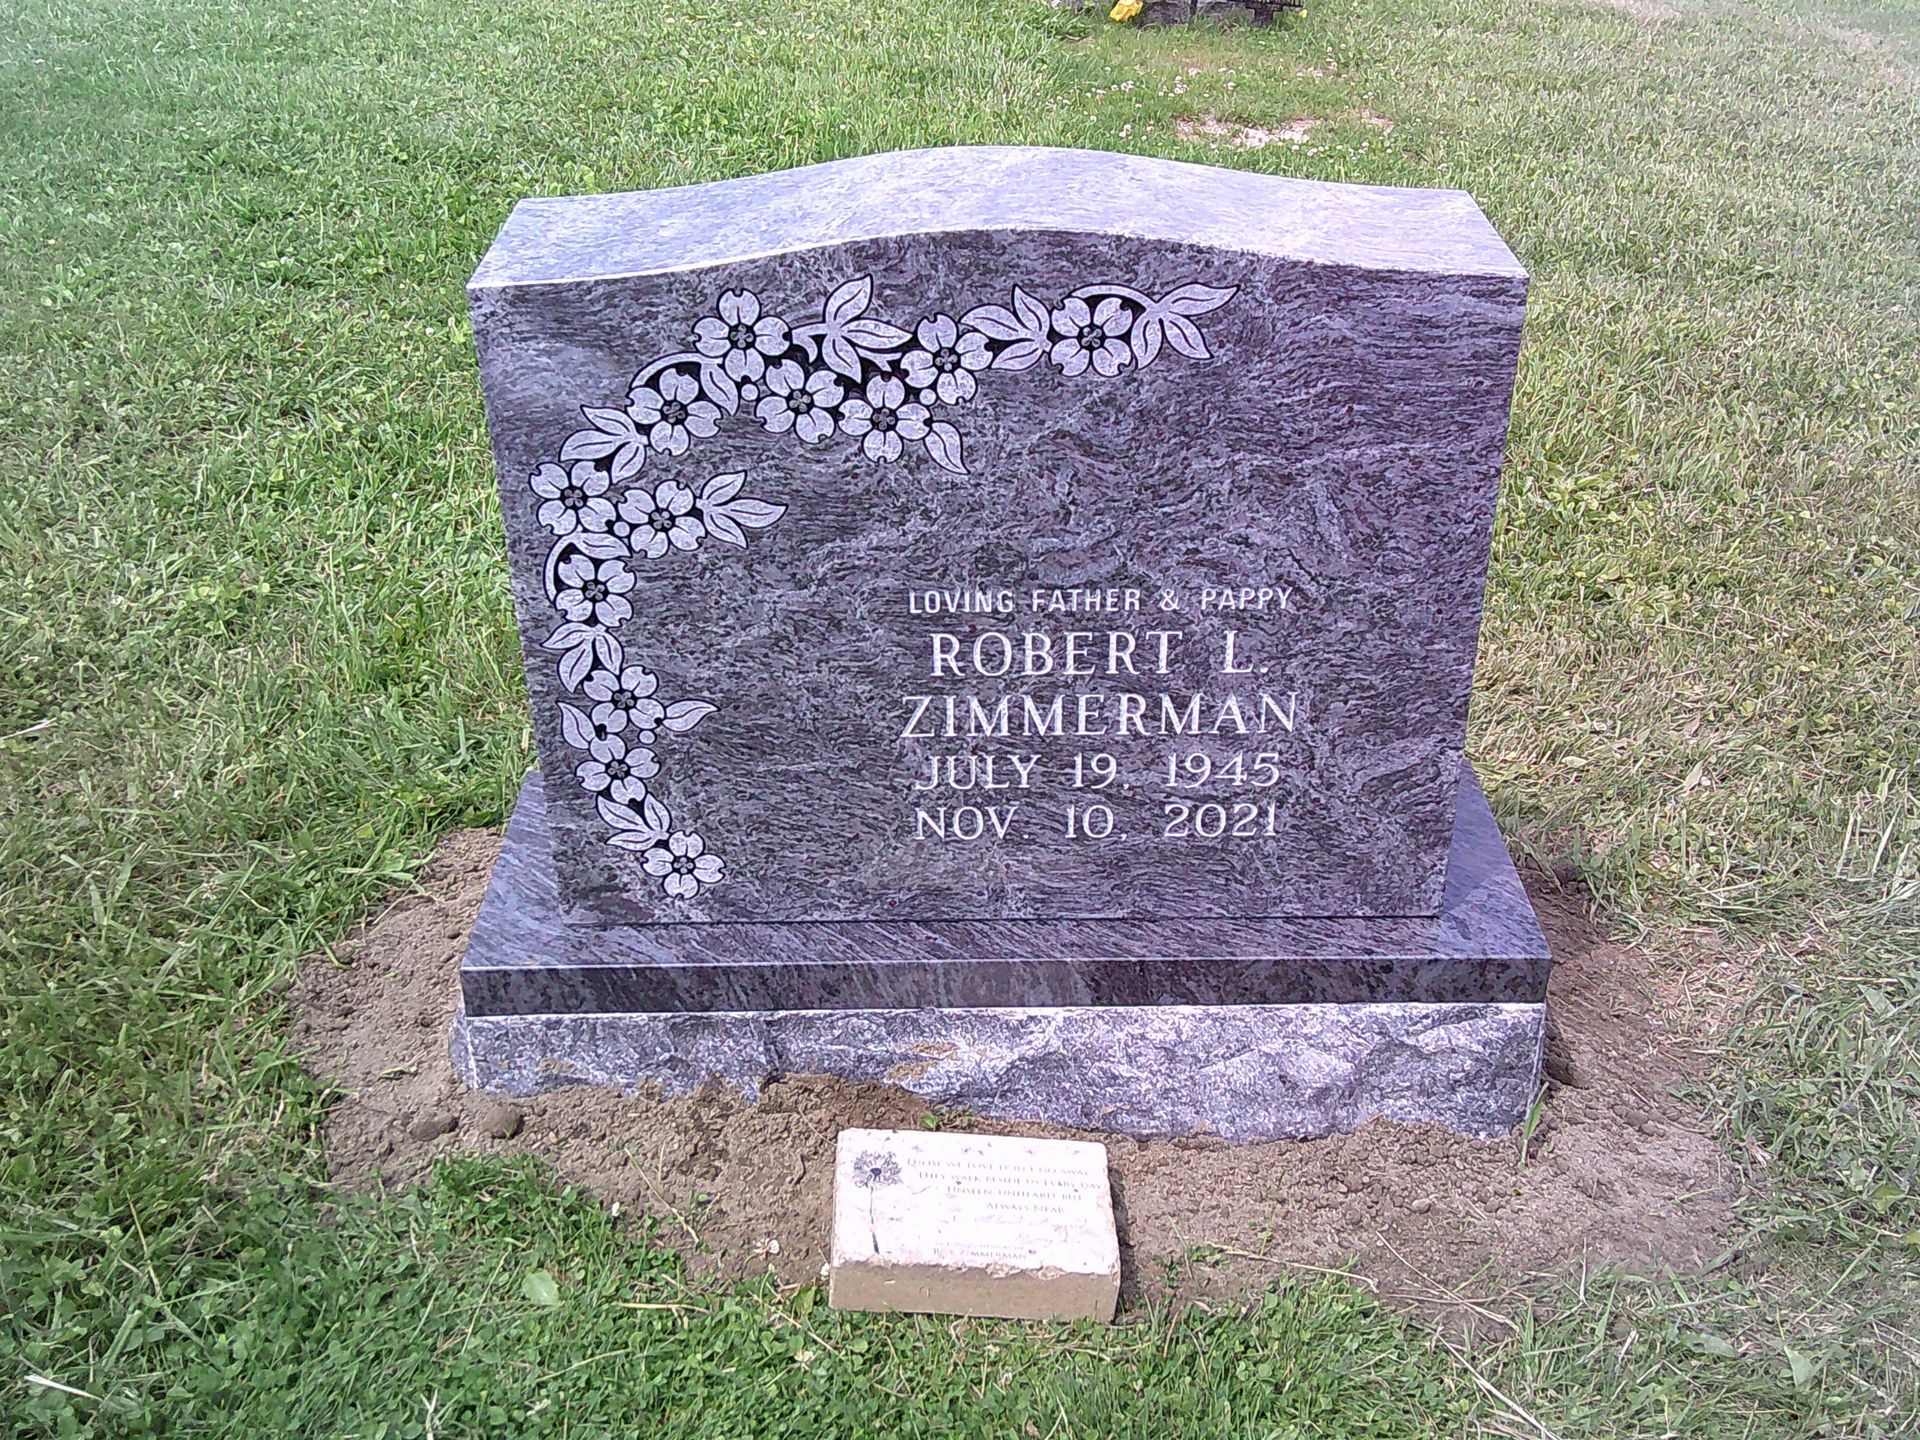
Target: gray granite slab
[(1244, 1072), (771, 588), (962, 189), (524, 958)]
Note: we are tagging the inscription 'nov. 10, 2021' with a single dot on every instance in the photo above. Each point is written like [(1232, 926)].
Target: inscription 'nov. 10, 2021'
[(996, 573)]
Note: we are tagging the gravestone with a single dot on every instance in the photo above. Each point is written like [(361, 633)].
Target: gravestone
[(1001, 621), (959, 1224)]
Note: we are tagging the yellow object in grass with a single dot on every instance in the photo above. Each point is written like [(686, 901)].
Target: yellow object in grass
[(1125, 10)]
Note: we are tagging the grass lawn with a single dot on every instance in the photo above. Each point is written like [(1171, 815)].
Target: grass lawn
[(256, 654)]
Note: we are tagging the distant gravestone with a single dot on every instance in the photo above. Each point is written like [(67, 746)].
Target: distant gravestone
[(960, 1224), (998, 619)]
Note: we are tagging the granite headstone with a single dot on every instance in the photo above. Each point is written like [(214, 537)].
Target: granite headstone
[(1003, 620)]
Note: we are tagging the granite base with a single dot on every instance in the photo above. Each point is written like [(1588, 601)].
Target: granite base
[(529, 955), (1245, 1072), (1249, 1029)]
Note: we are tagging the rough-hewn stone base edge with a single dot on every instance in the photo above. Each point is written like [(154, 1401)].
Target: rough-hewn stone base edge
[(1246, 1072)]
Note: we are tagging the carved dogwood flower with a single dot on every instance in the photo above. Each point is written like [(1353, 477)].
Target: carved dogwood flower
[(620, 774), (673, 413), (946, 359), (625, 699), (575, 499), (661, 518), (1091, 336), (594, 591), (885, 417), (800, 402), (740, 336), (682, 865)]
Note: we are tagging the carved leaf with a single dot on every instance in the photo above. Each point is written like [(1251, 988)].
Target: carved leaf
[(618, 816), (719, 387), (1146, 339), (844, 334), (569, 635), (576, 727), (600, 547), (996, 322), (752, 513), (1020, 355), (1184, 336), (589, 445), (575, 665), (610, 419), (876, 335), (850, 300), (683, 715), (1026, 321), (614, 434), (1196, 299), (656, 815), (721, 526), (635, 831), (725, 511), (943, 444), (606, 650), (1033, 314), (840, 355)]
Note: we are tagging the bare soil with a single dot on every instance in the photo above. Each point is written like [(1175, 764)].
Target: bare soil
[(1296, 131), (1617, 1173)]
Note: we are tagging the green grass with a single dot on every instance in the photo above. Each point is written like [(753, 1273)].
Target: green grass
[(256, 653)]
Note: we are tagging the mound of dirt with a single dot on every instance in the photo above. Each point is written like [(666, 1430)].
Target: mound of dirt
[(1618, 1172)]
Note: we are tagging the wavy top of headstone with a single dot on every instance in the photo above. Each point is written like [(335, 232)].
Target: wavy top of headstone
[(989, 188)]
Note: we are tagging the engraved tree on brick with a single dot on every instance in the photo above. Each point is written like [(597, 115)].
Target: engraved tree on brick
[(846, 377)]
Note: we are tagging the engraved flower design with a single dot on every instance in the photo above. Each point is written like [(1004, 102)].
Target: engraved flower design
[(873, 1169), (594, 591), (885, 417), (623, 699), (575, 499), (674, 412), (946, 359), (620, 774), (1091, 336), (800, 402), (661, 518), (740, 333), (851, 372), (682, 865)]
